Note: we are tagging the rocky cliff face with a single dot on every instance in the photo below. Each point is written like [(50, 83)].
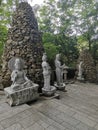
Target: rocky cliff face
[(89, 68), (25, 41)]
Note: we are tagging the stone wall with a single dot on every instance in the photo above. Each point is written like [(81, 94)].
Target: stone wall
[(25, 41)]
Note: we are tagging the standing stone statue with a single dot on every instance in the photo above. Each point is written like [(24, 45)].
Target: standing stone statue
[(59, 73), (47, 90), (22, 89), (80, 71)]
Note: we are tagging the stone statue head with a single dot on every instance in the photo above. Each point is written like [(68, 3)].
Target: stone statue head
[(44, 57), (58, 56), (81, 62), (16, 64)]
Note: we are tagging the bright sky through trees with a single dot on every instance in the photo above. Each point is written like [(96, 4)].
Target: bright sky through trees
[(33, 2)]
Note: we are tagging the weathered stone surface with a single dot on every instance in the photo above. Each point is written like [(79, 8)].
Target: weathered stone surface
[(76, 110), (22, 89), (21, 96), (25, 41), (89, 68)]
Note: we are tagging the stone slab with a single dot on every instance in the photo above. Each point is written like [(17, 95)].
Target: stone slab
[(15, 127), (71, 112)]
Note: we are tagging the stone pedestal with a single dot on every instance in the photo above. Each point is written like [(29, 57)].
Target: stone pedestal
[(21, 96), (50, 92), (80, 78), (60, 87)]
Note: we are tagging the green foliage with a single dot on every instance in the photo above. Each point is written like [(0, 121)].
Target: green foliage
[(57, 43), (6, 9), (51, 51), (48, 38), (82, 42), (56, 30), (68, 48), (67, 26), (71, 25), (3, 35)]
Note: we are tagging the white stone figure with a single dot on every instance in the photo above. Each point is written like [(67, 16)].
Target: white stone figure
[(22, 89), (18, 77), (46, 72), (47, 90), (59, 73), (80, 71)]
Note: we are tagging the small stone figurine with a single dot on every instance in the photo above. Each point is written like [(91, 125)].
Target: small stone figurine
[(47, 90), (22, 89), (59, 73), (80, 71)]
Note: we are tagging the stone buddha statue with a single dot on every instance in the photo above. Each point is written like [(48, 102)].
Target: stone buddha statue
[(22, 89), (18, 76)]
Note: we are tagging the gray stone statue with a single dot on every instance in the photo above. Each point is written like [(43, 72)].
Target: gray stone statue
[(22, 89), (80, 71), (18, 76), (59, 73), (47, 90)]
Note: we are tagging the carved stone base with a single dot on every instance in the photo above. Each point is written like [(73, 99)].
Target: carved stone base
[(21, 96), (60, 87), (49, 93)]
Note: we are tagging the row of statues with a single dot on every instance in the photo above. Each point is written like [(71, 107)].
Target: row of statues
[(20, 80), (48, 89), (23, 89)]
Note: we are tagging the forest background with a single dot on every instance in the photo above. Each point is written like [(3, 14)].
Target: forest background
[(67, 26)]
